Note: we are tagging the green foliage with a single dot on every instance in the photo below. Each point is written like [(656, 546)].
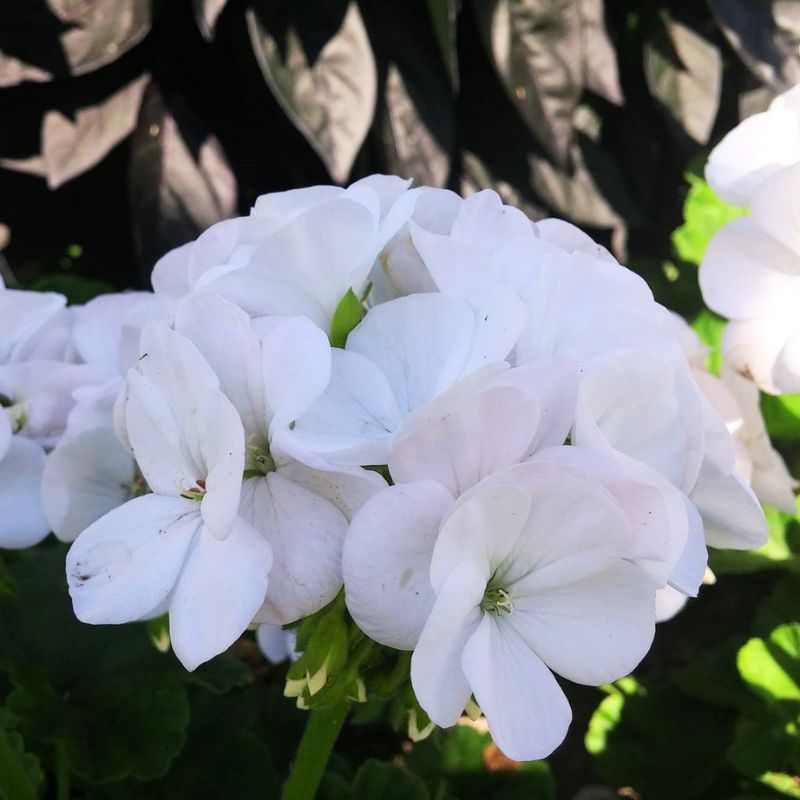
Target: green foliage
[(704, 214)]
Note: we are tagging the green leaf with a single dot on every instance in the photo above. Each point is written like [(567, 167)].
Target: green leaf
[(318, 63), (771, 667), (782, 605), (20, 771), (782, 415), (347, 315), (377, 779), (443, 15), (661, 743), (704, 213), (766, 741), (76, 289), (118, 705)]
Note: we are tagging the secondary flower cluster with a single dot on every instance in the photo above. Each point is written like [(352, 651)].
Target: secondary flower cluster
[(751, 270), (485, 429)]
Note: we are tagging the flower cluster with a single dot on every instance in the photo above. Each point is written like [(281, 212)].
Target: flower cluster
[(751, 270), (484, 429)]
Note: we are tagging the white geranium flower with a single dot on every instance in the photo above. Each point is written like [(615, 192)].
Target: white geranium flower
[(184, 545), (298, 253), (22, 314), (403, 354), (757, 148), (277, 644), (529, 575), (303, 509)]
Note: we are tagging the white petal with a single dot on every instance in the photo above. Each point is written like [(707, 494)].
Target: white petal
[(775, 206), (688, 572), (356, 415), (218, 593), (22, 522), (306, 533), (296, 358), (571, 238), (386, 561), (732, 515), (745, 273), (5, 433), (669, 603), (482, 529), (21, 314), (755, 149), (85, 478), (439, 682), (593, 630), (273, 641), (170, 276), (218, 329), (527, 712), (125, 564)]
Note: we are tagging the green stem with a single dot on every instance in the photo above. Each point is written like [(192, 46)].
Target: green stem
[(62, 771), (316, 746)]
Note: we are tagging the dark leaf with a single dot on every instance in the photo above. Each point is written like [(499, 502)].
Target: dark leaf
[(43, 39), (765, 35), (536, 48), (20, 771), (206, 13), (684, 73), (377, 779), (444, 14), (323, 76), (600, 70), (416, 122), (180, 180), (70, 147)]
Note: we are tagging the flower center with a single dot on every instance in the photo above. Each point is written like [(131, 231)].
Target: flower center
[(497, 601), (259, 460), (16, 413), (195, 493)]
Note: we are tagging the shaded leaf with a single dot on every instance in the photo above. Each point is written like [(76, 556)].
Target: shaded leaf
[(684, 73), (43, 39), (600, 70), (535, 46), (76, 289), (20, 772), (206, 13), (330, 94), (378, 779), (416, 122), (782, 415), (444, 14), (180, 180), (709, 327), (765, 37), (72, 146)]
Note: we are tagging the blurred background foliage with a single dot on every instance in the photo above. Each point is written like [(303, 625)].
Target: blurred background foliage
[(128, 126)]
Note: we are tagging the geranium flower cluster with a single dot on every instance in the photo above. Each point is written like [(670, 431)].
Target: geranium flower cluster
[(751, 270), (484, 429)]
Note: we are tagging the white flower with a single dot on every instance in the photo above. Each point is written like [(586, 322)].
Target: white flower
[(277, 644), (302, 509), (298, 253), (529, 576), (184, 546), (755, 149), (21, 315), (404, 353)]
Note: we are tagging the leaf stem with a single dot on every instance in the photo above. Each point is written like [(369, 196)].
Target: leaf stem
[(316, 746), (62, 771)]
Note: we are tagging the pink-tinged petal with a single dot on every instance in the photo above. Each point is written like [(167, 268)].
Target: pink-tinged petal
[(22, 522), (527, 712), (218, 592), (439, 682), (125, 564), (85, 478), (386, 561), (306, 532)]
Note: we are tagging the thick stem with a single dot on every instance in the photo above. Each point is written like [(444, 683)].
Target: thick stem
[(316, 746)]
